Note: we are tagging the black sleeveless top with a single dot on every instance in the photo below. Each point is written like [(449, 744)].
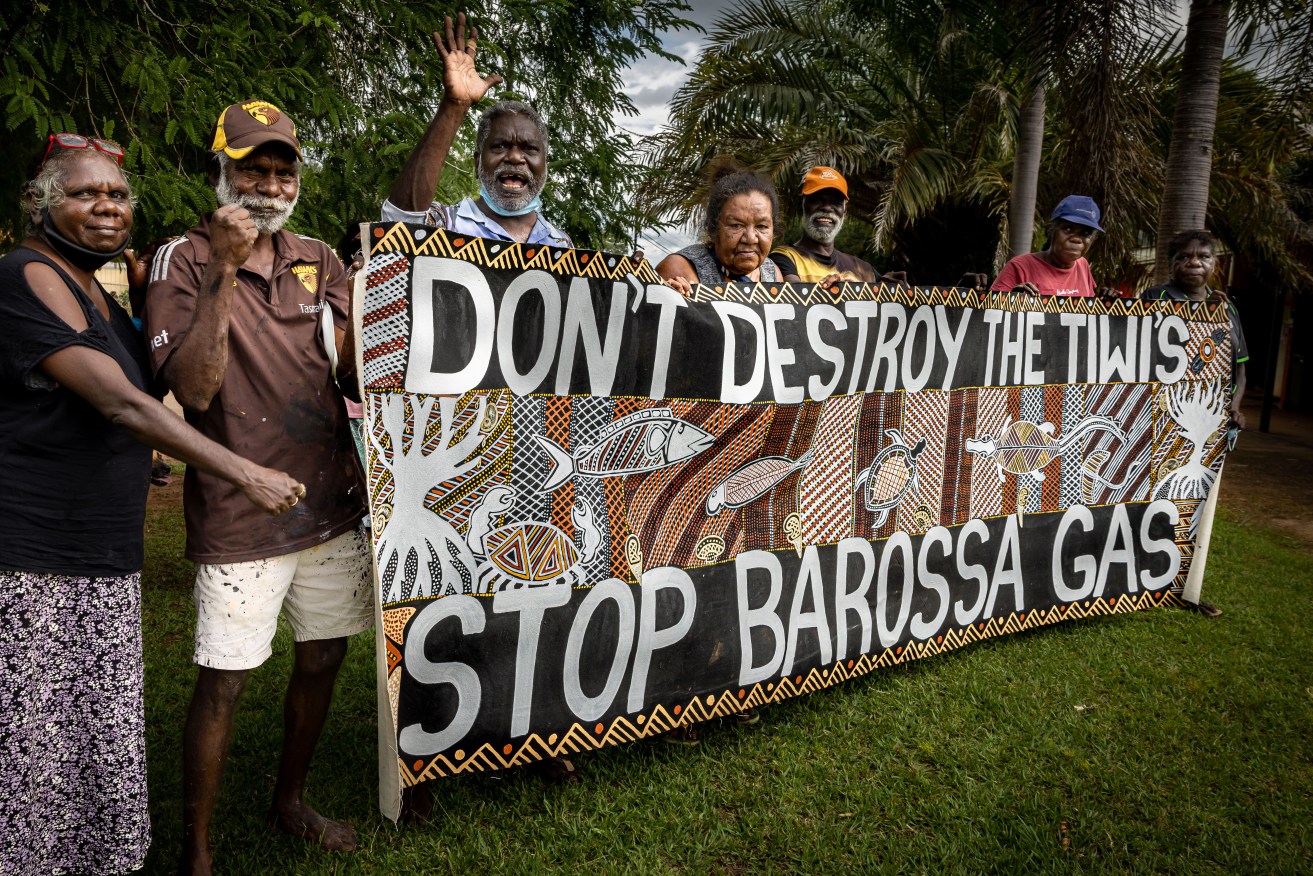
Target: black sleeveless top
[(72, 485)]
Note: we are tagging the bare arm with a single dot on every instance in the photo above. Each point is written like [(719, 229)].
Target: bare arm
[(1236, 416), (414, 187), (99, 379), (679, 273), (195, 370), (346, 340)]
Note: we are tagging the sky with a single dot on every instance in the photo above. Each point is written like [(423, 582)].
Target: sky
[(650, 83)]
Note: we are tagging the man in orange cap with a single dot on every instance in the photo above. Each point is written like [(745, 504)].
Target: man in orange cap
[(813, 259), (247, 325)]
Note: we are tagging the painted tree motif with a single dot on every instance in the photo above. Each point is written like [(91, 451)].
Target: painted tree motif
[(419, 553)]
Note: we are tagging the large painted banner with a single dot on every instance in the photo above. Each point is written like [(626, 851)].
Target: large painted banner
[(602, 510)]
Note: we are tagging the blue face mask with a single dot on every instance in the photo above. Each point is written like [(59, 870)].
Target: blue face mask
[(532, 207)]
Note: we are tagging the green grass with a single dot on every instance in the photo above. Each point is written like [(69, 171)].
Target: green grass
[(1161, 742)]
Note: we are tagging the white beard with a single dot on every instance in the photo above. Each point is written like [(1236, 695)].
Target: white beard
[(268, 214), (511, 205), (819, 234)]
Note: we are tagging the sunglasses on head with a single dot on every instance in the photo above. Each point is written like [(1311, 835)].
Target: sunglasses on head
[(77, 141)]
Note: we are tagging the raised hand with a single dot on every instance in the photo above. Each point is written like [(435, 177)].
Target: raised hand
[(232, 235), (463, 83)]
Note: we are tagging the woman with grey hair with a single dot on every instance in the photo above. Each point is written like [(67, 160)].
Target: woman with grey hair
[(77, 421), (741, 214)]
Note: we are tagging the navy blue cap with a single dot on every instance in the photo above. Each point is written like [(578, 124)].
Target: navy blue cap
[(1079, 209)]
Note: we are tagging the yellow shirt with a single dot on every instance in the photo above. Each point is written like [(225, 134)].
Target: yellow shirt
[(811, 269)]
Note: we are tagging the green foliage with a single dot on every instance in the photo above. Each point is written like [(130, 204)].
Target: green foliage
[(360, 78), (916, 103), (1258, 203)]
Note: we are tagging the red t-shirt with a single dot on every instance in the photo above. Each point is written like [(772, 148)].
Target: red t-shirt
[(1076, 281)]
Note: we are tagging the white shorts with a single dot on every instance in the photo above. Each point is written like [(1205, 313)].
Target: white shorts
[(326, 592)]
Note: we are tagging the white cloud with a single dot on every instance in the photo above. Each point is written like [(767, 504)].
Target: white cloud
[(650, 83)]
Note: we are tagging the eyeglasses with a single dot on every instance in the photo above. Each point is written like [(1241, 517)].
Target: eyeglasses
[(77, 141)]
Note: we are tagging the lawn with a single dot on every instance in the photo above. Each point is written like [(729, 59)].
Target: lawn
[(1155, 742)]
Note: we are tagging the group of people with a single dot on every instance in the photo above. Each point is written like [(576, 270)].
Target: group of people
[(742, 211), (247, 324)]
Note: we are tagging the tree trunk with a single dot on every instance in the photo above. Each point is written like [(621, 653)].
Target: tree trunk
[(1190, 156), (1025, 172)]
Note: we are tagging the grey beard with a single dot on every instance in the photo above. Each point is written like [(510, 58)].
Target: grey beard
[(268, 214), (818, 234), (510, 205)]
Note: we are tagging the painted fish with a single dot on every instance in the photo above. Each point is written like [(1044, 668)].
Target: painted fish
[(752, 480), (645, 440)]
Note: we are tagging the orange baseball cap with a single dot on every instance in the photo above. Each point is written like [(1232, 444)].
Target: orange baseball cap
[(244, 126), (821, 177)]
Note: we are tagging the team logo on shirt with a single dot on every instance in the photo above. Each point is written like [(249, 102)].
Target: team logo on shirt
[(309, 277)]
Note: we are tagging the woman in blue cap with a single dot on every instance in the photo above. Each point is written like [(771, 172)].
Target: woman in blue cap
[(1061, 269)]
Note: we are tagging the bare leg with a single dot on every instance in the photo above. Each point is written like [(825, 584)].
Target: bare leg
[(205, 741), (308, 696)]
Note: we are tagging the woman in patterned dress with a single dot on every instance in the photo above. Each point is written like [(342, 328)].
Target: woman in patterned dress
[(76, 426)]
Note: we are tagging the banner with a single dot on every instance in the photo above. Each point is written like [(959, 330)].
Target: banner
[(602, 510)]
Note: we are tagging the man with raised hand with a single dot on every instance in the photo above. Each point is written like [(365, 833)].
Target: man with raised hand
[(510, 151), (511, 155), (245, 319)]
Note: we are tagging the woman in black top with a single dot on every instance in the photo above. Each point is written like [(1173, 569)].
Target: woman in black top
[(77, 421)]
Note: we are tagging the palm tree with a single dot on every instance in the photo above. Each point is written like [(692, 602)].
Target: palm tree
[(1281, 32), (895, 103), (1190, 158), (1260, 191), (925, 108)]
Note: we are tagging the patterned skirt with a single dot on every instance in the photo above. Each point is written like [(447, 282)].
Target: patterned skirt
[(72, 722)]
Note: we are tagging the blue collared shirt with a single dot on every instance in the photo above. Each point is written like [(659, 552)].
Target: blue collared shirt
[(467, 218)]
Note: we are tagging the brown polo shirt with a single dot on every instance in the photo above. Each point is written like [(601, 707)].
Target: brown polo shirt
[(278, 405)]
